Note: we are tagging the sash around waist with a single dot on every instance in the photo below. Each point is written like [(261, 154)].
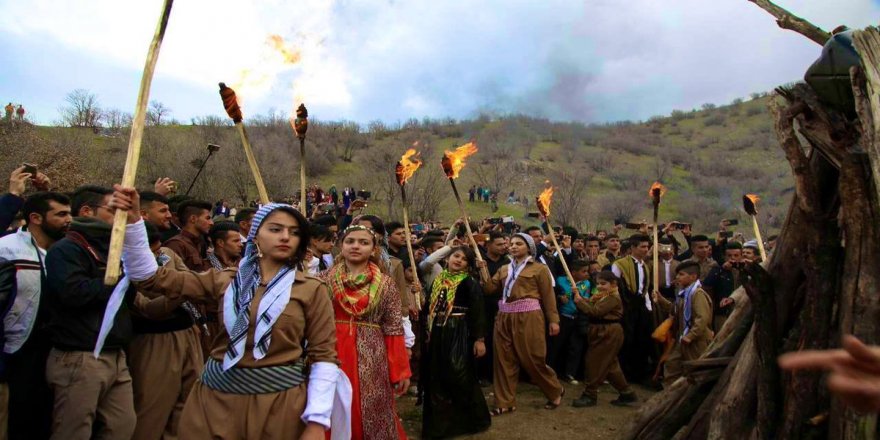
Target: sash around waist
[(519, 306), (264, 380)]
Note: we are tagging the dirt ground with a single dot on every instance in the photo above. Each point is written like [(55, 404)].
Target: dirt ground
[(531, 421)]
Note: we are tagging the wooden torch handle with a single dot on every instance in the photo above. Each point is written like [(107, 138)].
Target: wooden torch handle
[(120, 219), (759, 239), (412, 257), (304, 201), (252, 161)]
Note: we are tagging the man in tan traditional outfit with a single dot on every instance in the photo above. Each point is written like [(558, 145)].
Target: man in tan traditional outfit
[(165, 356)]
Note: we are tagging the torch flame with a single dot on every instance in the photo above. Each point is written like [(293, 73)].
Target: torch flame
[(453, 161), (657, 190), (276, 42), (750, 203), (544, 201), (409, 163)]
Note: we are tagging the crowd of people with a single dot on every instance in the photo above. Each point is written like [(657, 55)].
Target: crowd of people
[(263, 322)]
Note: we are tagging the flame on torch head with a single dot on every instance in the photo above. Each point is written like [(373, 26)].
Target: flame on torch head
[(453, 161), (230, 103), (301, 123), (750, 203), (289, 56), (656, 192), (408, 165), (544, 201)]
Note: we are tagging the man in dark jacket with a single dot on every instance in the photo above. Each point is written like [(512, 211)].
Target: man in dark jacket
[(87, 389)]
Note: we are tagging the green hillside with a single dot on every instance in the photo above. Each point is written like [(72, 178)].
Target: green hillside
[(707, 159)]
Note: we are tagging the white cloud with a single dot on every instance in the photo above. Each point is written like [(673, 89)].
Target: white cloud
[(592, 60)]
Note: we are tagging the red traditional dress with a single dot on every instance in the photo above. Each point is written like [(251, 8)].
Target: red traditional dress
[(370, 346)]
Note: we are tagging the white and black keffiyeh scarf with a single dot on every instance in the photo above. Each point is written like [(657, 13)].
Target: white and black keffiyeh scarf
[(240, 294)]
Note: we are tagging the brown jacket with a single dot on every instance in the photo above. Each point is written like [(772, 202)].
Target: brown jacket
[(192, 249), (160, 307), (700, 333), (605, 307), (533, 282), (308, 315), (399, 277)]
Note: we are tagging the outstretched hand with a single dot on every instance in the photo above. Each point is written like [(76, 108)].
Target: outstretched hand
[(126, 199), (165, 186), (18, 181), (855, 371)]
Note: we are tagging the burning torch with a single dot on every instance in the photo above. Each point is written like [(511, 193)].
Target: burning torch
[(117, 236), (405, 169), (230, 103), (453, 162), (543, 201), (300, 126), (750, 204)]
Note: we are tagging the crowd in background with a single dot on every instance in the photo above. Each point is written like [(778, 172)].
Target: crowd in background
[(471, 313)]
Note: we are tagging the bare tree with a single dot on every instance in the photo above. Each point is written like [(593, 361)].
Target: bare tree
[(621, 206), (81, 109), (116, 120), (571, 205), (157, 112)]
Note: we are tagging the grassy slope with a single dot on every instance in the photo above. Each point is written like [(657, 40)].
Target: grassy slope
[(702, 141)]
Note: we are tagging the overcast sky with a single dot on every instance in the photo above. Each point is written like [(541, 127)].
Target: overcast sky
[(590, 61)]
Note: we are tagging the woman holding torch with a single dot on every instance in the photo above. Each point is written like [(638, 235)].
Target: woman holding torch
[(527, 304), (260, 381), (454, 404)]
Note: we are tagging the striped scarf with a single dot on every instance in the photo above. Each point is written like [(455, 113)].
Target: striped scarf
[(240, 293), (349, 290)]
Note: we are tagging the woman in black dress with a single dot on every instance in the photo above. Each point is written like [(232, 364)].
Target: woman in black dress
[(454, 404)]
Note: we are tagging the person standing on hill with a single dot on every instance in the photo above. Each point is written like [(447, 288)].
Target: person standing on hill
[(9, 110), (20, 113)]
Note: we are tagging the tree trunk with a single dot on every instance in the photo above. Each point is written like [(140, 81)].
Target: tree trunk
[(820, 283)]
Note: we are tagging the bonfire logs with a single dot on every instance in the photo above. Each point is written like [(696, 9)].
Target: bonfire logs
[(820, 283)]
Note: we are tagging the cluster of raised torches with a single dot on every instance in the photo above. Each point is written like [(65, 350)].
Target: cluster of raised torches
[(452, 163)]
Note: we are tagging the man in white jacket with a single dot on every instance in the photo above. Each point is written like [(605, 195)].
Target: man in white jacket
[(26, 342)]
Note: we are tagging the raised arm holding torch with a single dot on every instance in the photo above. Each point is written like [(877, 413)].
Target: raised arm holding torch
[(750, 204), (300, 126), (543, 201), (230, 103), (111, 275), (453, 163), (405, 169)]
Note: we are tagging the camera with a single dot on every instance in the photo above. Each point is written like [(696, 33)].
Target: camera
[(213, 148), (731, 221), (495, 221), (30, 169), (726, 234), (364, 194)]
